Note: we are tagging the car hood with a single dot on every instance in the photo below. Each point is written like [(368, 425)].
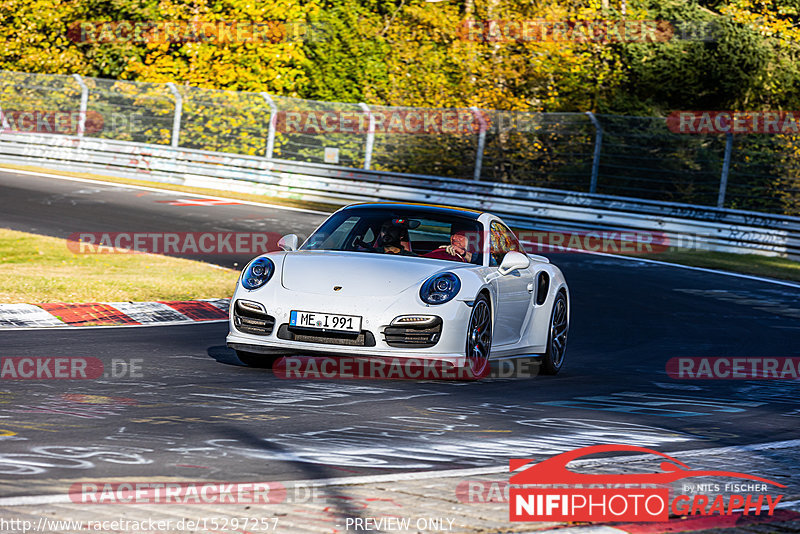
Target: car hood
[(358, 274)]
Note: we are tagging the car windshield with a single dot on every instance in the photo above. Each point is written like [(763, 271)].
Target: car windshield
[(405, 232)]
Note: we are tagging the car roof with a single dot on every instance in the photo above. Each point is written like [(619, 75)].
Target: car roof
[(431, 208)]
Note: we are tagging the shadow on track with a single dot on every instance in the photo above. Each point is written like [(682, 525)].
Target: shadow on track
[(224, 355), (339, 504)]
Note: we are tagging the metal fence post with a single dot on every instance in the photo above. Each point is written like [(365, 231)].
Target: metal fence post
[(598, 143), (726, 165), (273, 120), (176, 119), (84, 104), (481, 142), (370, 136), (4, 127)]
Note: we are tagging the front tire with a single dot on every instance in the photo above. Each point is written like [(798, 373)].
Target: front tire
[(553, 359), (479, 339), (253, 359)]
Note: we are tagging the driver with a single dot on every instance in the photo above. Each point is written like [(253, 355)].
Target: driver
[(457, 250)]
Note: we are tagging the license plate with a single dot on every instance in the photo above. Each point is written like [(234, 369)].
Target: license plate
[(325, 321)]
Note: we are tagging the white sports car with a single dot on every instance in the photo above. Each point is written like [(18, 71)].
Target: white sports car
[(403, 281)]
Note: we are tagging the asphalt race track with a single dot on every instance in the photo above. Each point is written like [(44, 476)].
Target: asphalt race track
[(192, 411)]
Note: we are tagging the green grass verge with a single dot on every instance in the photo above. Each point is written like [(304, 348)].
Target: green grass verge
[(35, 269), (772, 267)]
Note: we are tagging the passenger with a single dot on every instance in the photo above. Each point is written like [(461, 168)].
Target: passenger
[(457, 250)]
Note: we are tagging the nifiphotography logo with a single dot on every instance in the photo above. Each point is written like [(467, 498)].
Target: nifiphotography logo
[(537, 492)]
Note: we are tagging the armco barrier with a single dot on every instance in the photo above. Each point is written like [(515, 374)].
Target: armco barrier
[(527, 207)]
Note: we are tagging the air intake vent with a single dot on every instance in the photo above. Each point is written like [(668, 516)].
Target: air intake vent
[(363, 339), (413, 337), (542, 287), (248, 318)]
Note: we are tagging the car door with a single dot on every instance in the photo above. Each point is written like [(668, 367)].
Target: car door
[(514, 290)]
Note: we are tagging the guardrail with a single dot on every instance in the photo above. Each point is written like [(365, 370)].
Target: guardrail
[(689, 226)]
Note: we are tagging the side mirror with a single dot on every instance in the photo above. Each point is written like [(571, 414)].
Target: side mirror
[(513, 261), (288, 242)]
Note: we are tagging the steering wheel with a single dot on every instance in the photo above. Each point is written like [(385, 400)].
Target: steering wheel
[(360, 246)]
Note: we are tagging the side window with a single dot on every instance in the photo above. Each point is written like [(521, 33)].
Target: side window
[(502, 240)]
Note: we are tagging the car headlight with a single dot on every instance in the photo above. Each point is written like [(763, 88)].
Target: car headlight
[(257, 273), (440, 288)]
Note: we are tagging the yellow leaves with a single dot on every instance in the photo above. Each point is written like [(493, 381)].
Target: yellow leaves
[(765, 19), (247, 40)]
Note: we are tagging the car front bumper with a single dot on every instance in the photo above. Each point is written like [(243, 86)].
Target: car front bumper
[(377, 315)]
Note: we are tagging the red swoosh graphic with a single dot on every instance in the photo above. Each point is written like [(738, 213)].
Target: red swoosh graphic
[(554, 470)]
